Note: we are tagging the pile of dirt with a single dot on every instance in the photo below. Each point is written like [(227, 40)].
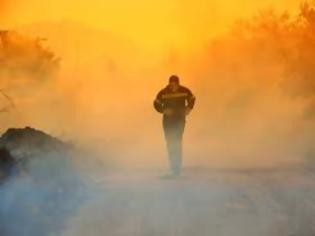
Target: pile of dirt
[(42, 182), (17, 146), (7, 163)]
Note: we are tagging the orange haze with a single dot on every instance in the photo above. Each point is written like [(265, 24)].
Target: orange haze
[(116, 55), (155, 24)]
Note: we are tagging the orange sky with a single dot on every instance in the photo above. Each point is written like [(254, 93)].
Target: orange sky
[(152, 23)]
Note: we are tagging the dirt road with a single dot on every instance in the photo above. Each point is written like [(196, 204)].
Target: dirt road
[(218, 202)]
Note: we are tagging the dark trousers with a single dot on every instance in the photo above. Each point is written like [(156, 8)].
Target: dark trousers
[(173, 130)]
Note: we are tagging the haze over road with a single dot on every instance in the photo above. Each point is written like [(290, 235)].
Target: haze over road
[(221, 202)]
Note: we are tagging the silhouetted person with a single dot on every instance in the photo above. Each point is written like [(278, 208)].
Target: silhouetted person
[(175, 102)]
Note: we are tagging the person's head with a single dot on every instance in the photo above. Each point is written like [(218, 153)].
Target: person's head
[(174, 82)]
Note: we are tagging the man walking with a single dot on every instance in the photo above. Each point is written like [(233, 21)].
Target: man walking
[(175, 102)]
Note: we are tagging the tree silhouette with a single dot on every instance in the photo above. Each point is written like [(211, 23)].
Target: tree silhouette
[(23, 59)]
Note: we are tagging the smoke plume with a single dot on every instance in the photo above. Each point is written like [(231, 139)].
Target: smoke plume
[(254, 86)]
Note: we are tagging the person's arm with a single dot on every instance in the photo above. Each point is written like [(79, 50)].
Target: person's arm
[(158, 103), (191, 99)]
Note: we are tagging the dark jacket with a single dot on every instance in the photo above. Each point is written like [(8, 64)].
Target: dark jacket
[(178, 102)]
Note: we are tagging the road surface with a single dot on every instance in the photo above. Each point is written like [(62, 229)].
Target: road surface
[(218, 202)]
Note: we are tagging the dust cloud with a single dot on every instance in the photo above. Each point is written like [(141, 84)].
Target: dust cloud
[(255, 109), (253, 87)]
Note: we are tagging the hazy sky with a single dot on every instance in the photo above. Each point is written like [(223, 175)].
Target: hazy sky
[(152, 23)]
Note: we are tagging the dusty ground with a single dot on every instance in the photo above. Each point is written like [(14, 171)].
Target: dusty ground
[(218, 202)]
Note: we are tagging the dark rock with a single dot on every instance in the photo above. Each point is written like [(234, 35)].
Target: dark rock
[(17, 146), (7, 163)]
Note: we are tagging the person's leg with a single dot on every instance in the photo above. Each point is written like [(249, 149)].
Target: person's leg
[(173, 134), (169, 138), (177, 145)]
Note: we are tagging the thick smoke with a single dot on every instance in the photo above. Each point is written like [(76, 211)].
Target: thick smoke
[(253, 87), (41, 201), (26, 65), (255, 108), (256, 89), (44, 183)]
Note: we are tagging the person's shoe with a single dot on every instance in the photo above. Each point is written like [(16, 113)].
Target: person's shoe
[(171, 176), (168, 176)]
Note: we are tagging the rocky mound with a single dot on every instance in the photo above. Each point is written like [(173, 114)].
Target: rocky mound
[(19, 145), (41, 184)]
